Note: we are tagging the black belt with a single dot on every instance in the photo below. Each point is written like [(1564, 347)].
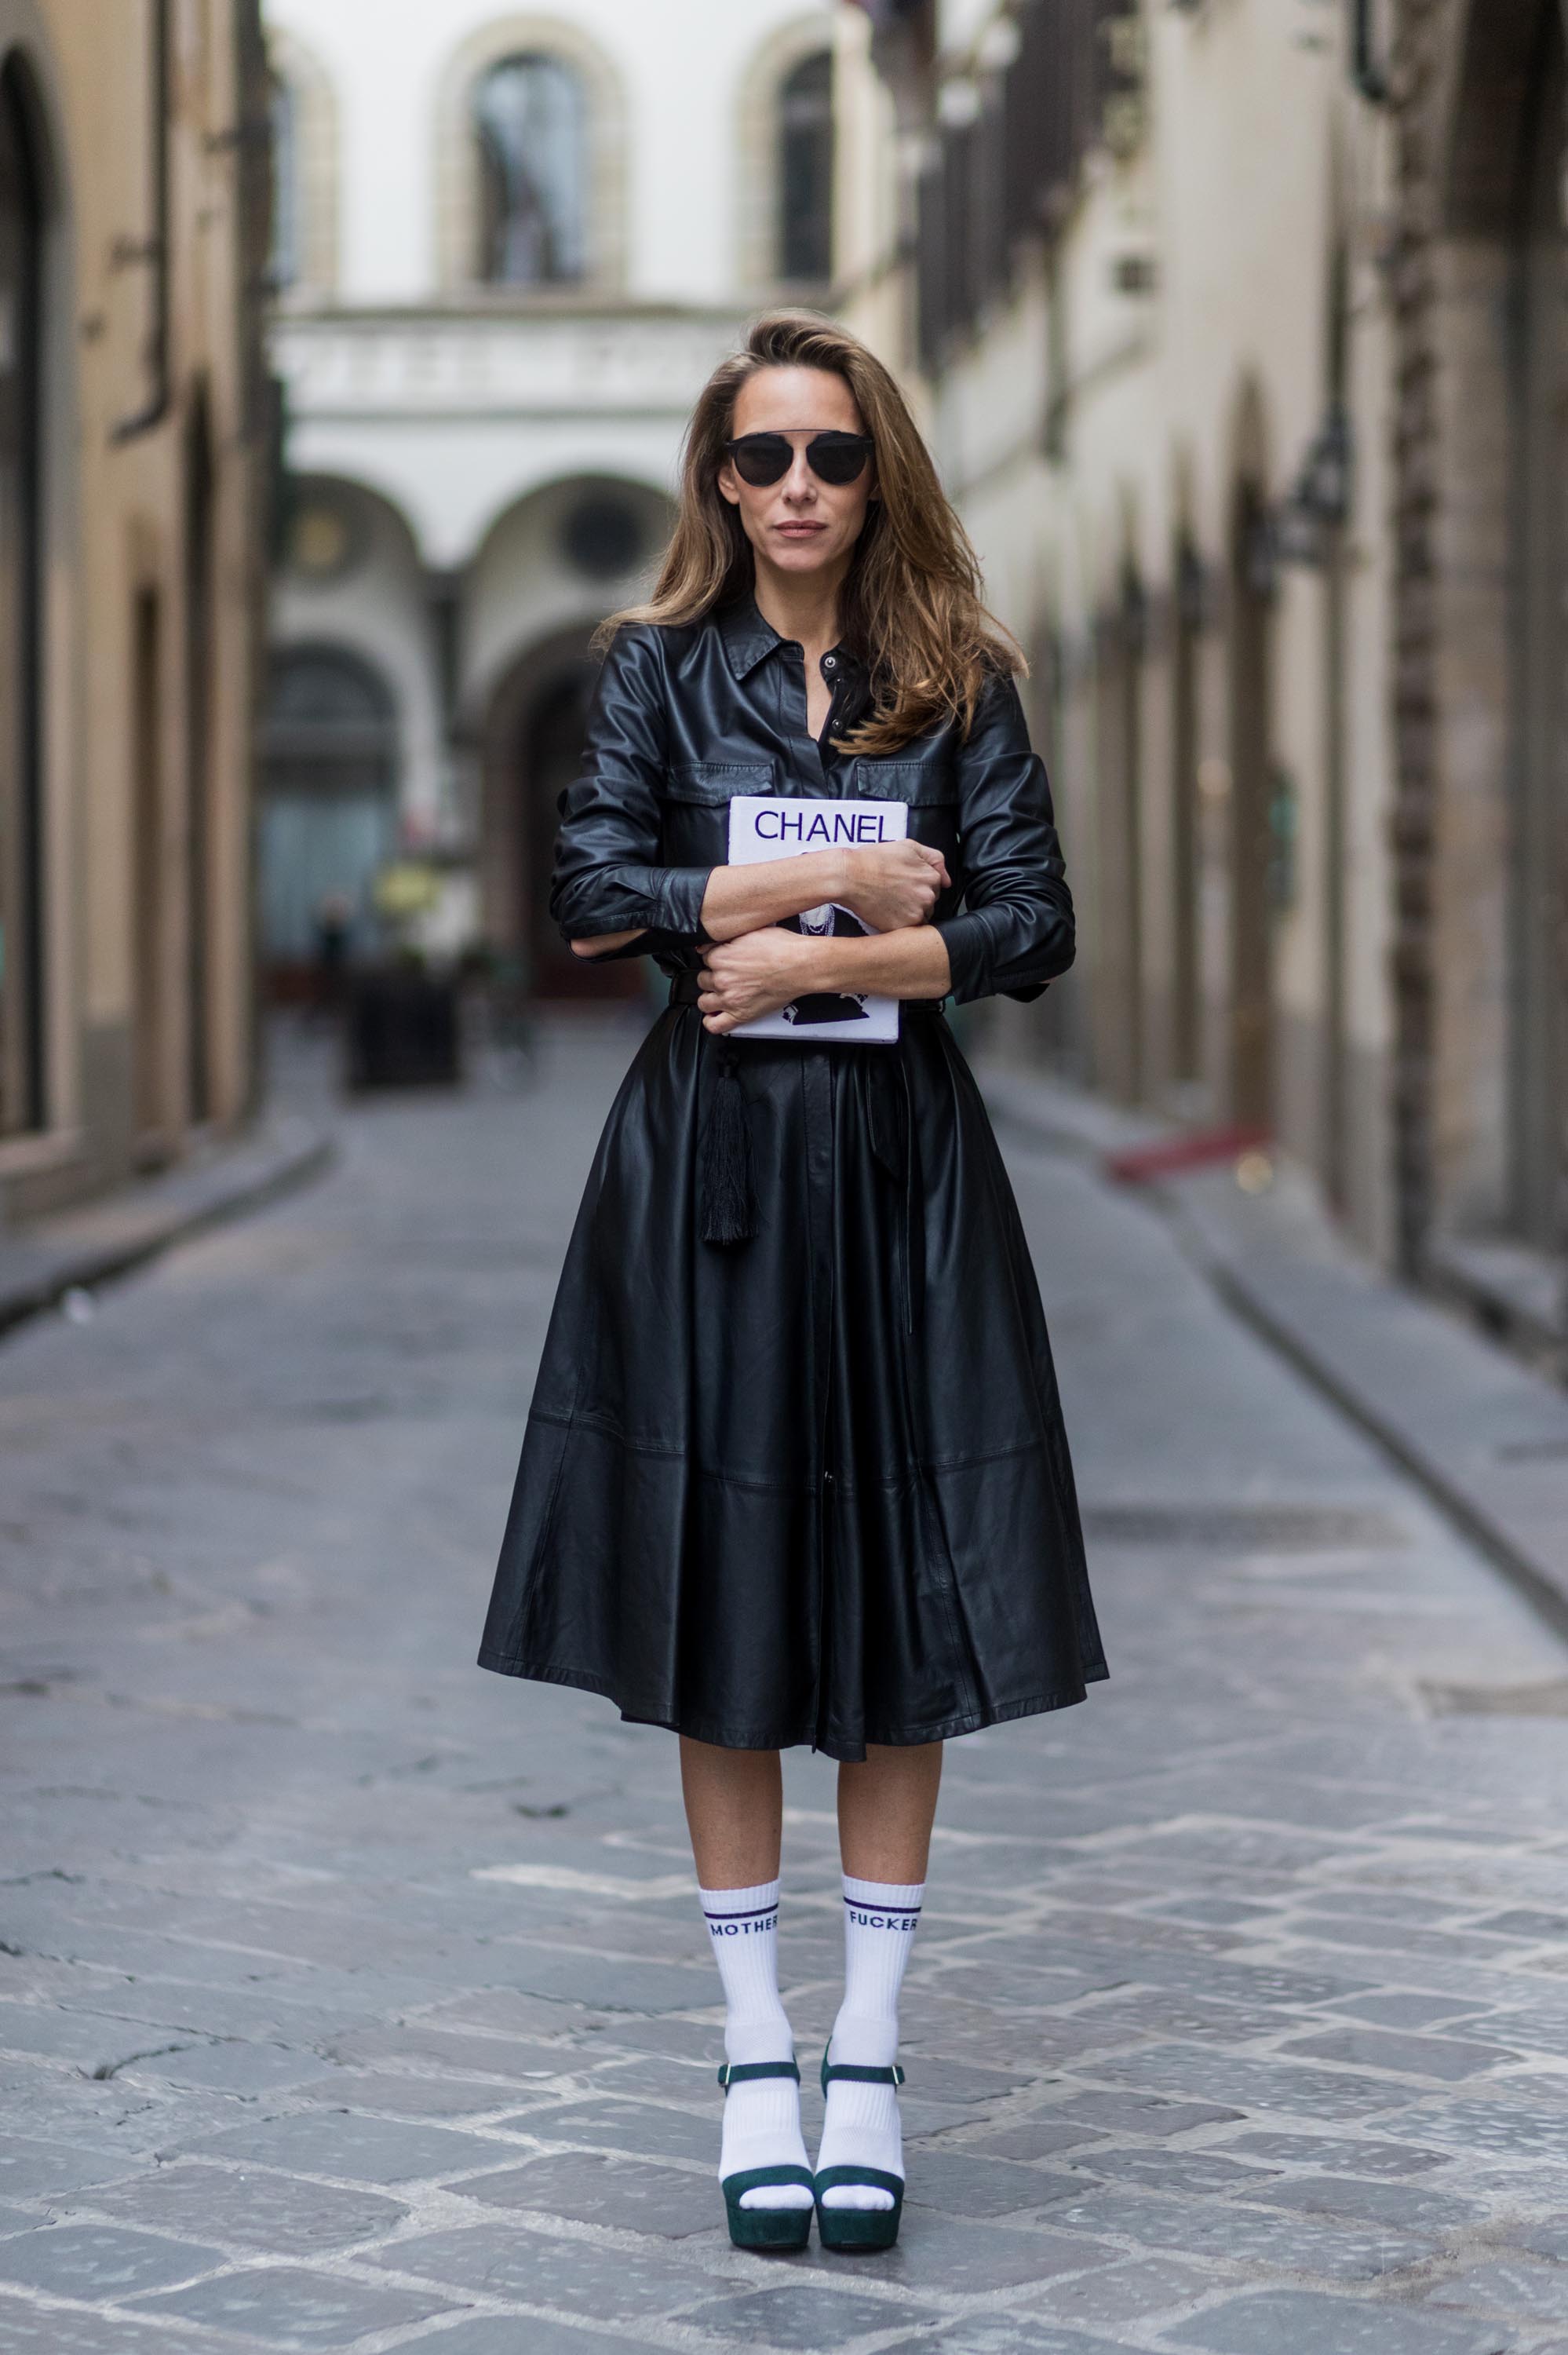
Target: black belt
[(684, 990), (724, 1184)]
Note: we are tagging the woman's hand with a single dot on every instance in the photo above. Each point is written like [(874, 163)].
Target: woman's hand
[(890, 885), (756, 974)]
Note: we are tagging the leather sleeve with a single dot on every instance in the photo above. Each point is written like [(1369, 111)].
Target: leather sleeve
[(1015, 932), (607, 874)]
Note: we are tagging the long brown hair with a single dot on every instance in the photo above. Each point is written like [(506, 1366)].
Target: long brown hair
[(911, 605)]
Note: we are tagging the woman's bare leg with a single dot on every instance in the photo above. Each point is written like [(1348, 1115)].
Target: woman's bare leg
[(735, 1807), (735, 1812), (888, 1803)]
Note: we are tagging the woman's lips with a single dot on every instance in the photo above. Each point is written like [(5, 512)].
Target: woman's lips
[(799, 531)]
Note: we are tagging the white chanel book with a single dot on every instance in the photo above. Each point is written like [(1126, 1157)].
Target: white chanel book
[(771, 825)]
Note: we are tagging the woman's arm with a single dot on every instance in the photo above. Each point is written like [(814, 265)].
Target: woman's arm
[(1016, 931), (608, 889), (763, 970), (887, 885)]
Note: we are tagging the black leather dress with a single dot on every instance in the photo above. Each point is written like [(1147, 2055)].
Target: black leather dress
[(811, 1487)]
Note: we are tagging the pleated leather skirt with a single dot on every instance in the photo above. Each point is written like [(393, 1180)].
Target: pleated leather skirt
[(813, 1487)]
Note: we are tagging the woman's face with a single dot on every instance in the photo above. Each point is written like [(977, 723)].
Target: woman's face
[(798, 524)]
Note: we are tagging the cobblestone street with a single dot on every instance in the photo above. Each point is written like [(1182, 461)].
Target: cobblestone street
[(351, 1997)]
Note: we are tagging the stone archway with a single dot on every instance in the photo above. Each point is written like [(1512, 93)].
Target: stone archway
[(531, 751), (1249, 602), (24, 427), (1480, 832), (328, 814)]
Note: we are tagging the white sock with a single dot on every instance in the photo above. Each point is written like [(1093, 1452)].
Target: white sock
[(861, 2125), (762, 2116)]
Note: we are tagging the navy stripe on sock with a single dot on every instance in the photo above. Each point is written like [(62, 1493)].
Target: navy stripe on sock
[(865, 1906), (751, 1915)]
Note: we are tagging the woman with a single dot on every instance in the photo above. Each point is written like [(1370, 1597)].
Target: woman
[(795, 1469)]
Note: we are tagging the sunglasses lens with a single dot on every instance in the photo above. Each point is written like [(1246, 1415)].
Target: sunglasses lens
[(761, 458), (837, 457)]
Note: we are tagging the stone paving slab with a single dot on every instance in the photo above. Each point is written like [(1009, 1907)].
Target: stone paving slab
[(99, 2261), (55, 2330), (604, 2283), (797, 2319), (999, 2335), (250, 2207), (1516, 2287), (283, 2306), (594, 2187), (353, 2148), (1241, 2008), (1310, 2325), (496, 2333)]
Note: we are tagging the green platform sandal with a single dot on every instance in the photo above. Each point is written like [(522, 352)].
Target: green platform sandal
[(858, 2229), (772, 2230)]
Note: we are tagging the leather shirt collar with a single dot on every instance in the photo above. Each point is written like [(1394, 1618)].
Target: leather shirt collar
[(747, 638)]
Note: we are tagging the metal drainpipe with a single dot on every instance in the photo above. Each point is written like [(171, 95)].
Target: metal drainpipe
[(154, 250), (1365, 71)]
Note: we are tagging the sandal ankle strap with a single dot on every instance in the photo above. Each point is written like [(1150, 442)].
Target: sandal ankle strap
[(859, 2076), (736, 2072)]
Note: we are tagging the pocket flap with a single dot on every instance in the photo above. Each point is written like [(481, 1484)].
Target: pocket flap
[(716, 781), (919, 782)]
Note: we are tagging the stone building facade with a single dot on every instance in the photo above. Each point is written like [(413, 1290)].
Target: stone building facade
[(1238, 326), (1479, 819), (512, 245), (134, 437)]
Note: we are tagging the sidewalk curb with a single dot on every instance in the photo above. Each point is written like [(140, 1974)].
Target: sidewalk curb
[(1482, 1433), (83, 1249)]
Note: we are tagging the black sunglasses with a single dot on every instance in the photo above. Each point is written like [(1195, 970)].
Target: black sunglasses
[(763, 458)]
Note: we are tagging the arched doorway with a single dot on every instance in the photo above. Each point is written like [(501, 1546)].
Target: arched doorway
[(22, 225), (1118, 746), (329, 807), (533, 750), (1538, 1059), (1253, 839), (1479, 1055)]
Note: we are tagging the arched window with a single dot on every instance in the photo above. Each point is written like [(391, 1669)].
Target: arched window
[(284, 261), (302, 109), (530, 120), (21, 615), (806, 171)]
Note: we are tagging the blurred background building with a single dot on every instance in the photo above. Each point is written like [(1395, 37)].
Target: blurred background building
[(509, 249), (133, 451), (1239, 328)]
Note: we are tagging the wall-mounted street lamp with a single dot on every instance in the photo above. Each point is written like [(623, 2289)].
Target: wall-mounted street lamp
[(1195, 590), (1319, 501), (1366, 69)]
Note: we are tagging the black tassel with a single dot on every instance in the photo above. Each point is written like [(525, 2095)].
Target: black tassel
[(729, 1200)]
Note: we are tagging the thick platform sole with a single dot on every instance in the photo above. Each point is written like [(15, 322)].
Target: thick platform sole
[(858, 2232), (775, 2232)]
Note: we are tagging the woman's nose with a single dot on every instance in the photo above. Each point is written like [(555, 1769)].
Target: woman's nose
[(799, 481)]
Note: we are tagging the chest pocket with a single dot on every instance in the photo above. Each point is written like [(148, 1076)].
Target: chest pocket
[(712, 784), (924, 784)]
